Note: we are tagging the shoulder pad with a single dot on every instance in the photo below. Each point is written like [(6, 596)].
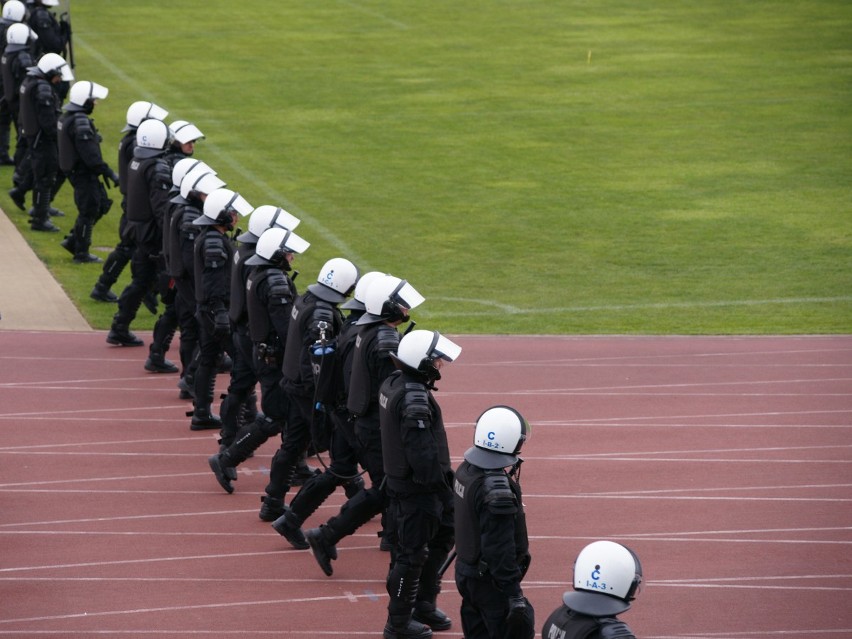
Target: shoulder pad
[(215, 253), (416, 405), (280, 291), (83, 126), (498, 495), (323, 313), (44, 93), (387, 339), (162, 174), (612, 628)]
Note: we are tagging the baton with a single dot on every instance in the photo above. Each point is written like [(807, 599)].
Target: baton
[(447, 563)]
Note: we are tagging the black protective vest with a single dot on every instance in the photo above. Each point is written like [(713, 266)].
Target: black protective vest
[(70, 125), (238, 311), (181, 236), (35, 89), (260, 328), (212, 243), (468, 488), (13, 65), (125, 156), (564, 623), (396, 392), (138, 201), (364, 383)]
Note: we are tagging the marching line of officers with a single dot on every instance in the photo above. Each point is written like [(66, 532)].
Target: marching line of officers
[(335, 372), (337, 375)]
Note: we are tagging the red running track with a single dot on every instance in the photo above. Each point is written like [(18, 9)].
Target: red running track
[(723, 461)]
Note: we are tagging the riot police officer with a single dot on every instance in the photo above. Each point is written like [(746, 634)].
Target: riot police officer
[(343, 446), (148, 183), (81, 160), (14, 64), (14, 12), (193, 181), (491, 534), (316, 318), (607, 578), (239, 404), (39, 113), (388, 302), (167, 323), (419, 484), (213, 257), (121, 255), (269, 294)]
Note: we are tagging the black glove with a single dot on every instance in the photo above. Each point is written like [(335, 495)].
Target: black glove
[(221, 324), (517, 613), (110, 178)]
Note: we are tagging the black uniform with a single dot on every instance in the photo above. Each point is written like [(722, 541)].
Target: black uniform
[(81, 160), (53, 37), (123, 251), (213, 258), (181, 236), (268, 299), (5, 108), (343, 469), (148, 185), (371, 365), (565, 623), (493, 551), (39, 117), (14, 64), (313, 319), (241, 394), (420, 511)]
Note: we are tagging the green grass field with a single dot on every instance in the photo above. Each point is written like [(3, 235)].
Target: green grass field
[(540, 166)]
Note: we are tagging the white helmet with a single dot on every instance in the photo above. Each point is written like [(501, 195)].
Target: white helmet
[(184, 131), (51, 64), (14, 11), (265, 217), (336, 280), (364, 282), (607, 576), (82, 93), (143, 110), (152, 138), (273, 246), (19, 34), (389, 299), (201, 179), (418, 350), (184, 166), (500, 433), (220, 207)]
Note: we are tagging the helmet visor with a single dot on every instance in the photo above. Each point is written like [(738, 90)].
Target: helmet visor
[(406, 295), (444, 348)]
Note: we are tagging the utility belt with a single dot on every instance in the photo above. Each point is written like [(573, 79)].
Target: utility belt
[(479, 571)]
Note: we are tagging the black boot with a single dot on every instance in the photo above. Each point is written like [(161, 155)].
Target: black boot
[(202, 415), (103, 294), (224, 469), (120, 335), (157, 363), (403, 583), (18, 196), (289, 526), (69, 243), (426, 612), (82, 234), (322, 542), (271, 508)]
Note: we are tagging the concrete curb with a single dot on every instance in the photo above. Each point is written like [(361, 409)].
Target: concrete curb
[(30, 299)]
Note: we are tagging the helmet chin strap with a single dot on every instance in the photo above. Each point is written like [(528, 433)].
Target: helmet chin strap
[(515, 473)]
